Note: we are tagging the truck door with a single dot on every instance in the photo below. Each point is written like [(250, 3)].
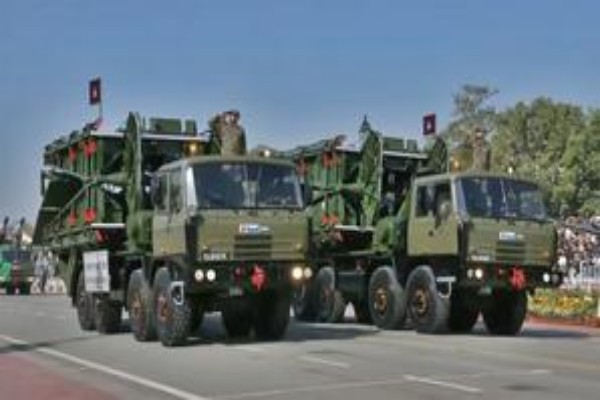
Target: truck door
[(177, 215), (432, 228), (160, 219)]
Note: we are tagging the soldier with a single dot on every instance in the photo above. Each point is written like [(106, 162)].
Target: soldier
[(481, 152), (227, 136)]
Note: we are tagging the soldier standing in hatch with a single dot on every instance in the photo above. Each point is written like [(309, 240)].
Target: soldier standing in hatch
[(481, 152), (227, 136)]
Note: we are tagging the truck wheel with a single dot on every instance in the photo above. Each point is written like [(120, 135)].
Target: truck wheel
[(197, 312), (506, 314), (139, 304), (107, 315), (303, 302), (173, 316), (84, 302), (462, 317), (362, 312), (237, 316), (386, 299), (330, 304), (428, 310), (272, 315)]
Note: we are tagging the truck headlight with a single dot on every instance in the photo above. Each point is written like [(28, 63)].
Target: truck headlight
[(297, 273), (199, 275), (211, 275), (308, 273)]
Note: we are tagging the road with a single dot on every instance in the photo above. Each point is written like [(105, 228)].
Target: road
[(40, 338)]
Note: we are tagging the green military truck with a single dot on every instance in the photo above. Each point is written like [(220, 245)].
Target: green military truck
[(154, 219), (421, 239), (16, 269)]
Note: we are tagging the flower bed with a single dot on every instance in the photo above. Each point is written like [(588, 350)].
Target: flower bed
[(572, 306)]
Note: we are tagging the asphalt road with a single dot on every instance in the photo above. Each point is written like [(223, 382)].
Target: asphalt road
[(40, 338)]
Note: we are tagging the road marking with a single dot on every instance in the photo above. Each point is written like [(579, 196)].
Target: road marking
[(323, 361), (445, 384), (177, 393)]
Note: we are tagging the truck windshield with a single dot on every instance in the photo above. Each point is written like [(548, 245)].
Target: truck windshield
[(495, 197), (234, 185)]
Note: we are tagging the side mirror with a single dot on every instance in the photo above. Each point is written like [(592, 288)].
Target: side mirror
[(307, 195), (155, 191)]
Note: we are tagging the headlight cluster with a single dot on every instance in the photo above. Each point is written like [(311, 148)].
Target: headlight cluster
[(209, 275), (299, 273), (475, 273)]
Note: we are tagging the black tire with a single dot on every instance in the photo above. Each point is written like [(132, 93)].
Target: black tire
[(303, 302), (330, 304), (197, 315), (139, 304), (506, 313), (427, 309), (272, 315), (85, 304), (387, 305), (462, 316), (362, 312), (172, 319), (238, 316), (107, 315)]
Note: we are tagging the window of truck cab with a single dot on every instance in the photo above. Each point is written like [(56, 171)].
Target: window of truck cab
[(430, 197)]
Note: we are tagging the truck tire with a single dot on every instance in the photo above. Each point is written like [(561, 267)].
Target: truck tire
[(84, 302), (107, 315), (330, 303), (428, 310), (272, 315), (362, 312), (237, 316), (506, 314), (139, 304), (197, 311), (303, 302), (172, 319), (387, 305), (462, 317)]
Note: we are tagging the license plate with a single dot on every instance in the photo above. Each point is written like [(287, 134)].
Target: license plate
[(96, 273)]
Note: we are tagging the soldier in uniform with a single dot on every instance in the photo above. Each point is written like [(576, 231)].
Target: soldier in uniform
[(227, 136), (481, 152)]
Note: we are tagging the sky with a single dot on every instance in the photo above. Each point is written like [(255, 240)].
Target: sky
[(297, 70)]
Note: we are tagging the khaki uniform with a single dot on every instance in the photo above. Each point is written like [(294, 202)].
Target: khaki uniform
[(481, 155), (227, 137)]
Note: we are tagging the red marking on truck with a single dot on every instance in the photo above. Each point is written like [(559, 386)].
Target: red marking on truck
[(518, 279), (258, 278)]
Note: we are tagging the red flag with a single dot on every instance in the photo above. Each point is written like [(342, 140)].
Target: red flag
[(95, 91), (429, 124)]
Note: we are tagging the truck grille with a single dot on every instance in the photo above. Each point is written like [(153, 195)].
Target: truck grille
[(248, 247), (510, 252)]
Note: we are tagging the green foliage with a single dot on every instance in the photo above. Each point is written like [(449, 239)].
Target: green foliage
[(557, 145), (472, 111), (564, 303)]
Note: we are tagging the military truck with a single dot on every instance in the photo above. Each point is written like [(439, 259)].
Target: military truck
[(16, 266), (419, 238), (153, 218)]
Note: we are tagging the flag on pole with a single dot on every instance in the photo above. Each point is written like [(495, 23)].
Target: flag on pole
[(95, 91), (429, 124)]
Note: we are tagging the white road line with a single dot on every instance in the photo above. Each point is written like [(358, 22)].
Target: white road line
[(177, 393), (323, 361), (449, 385)]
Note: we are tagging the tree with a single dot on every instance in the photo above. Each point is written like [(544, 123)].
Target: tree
[(472, 111), (555, 144)]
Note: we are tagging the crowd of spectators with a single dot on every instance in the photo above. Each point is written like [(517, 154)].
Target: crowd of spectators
[(579, 250)]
